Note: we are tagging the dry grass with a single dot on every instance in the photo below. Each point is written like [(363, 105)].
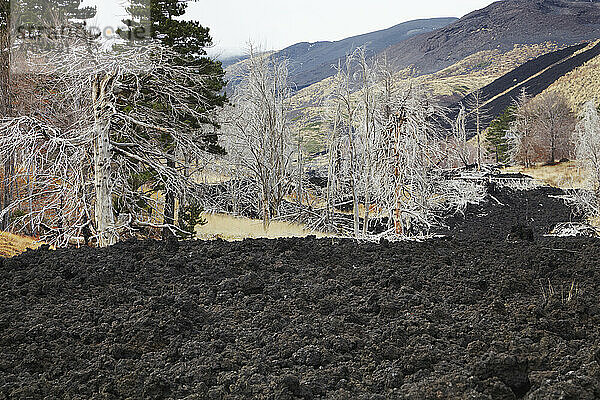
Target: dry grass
[(565, 175), (581, 84), (222, 226), (481, 68), (12, 245), (567, 294), (228, 227)]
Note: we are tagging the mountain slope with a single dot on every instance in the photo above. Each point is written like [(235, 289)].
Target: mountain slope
[(500, 26), (449, 85), (534, 77), (312, 62), (580, 85)]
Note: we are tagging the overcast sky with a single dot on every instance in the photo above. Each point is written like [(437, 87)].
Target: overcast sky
[(275, 24)]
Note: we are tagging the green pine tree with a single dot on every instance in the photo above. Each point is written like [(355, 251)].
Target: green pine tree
[(497, 132), (39, 13), (189, 40), (160, 21)]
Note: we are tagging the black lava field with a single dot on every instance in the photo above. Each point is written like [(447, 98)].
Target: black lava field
[(472, 315)]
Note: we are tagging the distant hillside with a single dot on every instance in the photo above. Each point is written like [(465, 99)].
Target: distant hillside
[(228, 61), (312, 62), (449, 85), (580, 85), (536, 44), (499, 27), (534, 77), (234, 71)]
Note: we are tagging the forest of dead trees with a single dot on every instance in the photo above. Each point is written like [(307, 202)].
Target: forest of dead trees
[(88, 156)]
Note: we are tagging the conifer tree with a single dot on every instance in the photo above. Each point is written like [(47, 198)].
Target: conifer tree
[(497, 134), (41, 13), (189, 40)]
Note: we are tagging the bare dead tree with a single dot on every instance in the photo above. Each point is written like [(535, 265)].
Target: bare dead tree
[(587, 150), (344, 157), (554, 124), (411, 152), (384, 147), (478, 112), (258, 132), (459, 149), (368, 135), (335, 116), (520, 135), (542, 130), (88, 161), (388, 147)]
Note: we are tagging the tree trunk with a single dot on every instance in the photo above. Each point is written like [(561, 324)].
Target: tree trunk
[(300, 169), (266, 212), (552, 147), (396, 128), (104, 217), (367, 206), (478, 142), (169, 213), (5, 111), (329, 199), (333, 166), (355, 208)]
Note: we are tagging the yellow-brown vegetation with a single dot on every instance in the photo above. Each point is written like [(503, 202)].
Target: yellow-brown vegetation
[(482, 68), (566, 175), (228, 227), (581, 84), (12, 245)]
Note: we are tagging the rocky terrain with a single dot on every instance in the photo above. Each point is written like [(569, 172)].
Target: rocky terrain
[(480, 316)]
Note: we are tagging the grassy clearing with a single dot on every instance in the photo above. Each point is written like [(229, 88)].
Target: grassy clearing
[(12, 245), (231, 228), (565, 175)]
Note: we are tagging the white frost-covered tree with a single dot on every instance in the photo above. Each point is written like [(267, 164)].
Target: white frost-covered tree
[(91, 162), (587, 149), (257, 134), (385, 150), (460, 152), (478, 112), (408, 178)]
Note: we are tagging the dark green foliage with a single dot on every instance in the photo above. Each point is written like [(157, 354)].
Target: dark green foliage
[(159, 21), (190, 216), (189, 40), (497, 134), (16, 214), (38, 12), (142, 185)]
